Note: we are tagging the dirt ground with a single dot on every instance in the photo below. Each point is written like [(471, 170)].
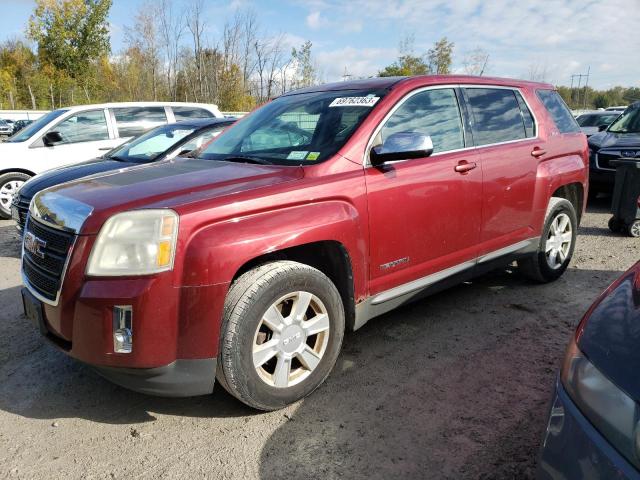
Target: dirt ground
[(455, 386)]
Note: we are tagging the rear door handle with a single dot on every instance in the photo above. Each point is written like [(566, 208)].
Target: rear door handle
[(465, 167), (537, 152)]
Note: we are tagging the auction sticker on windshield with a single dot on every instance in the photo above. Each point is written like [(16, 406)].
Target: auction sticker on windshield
[(297, 155), (368, 101)]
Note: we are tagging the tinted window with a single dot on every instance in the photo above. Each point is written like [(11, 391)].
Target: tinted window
[(188, 113), (496, 114), (204, 137), (629, 122), (83, 127), (132, 121), (33, 128), (432, 112), (296, 129), (527, 117), (152, 144), (559, 111)]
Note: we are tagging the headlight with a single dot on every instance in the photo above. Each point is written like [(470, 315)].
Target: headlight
[(610, 410), (139, 242)]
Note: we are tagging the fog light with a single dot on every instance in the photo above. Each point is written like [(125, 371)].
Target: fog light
[(122, 329)]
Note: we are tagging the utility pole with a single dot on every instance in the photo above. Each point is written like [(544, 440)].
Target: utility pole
[(346, 76), (586, 83)]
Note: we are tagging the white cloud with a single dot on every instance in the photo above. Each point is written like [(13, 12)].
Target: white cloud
[(565, 35), (359, 62)]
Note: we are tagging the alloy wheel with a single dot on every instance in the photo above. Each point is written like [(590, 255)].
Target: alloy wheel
[(7, 191), (291, 339), (559, 240)]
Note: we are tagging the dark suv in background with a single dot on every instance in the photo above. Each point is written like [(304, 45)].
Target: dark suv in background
[(620, 140)]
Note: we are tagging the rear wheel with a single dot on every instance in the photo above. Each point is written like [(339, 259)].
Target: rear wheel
[(281, 335), (556, 243), (634, 229), (616, 225), (10, 183)]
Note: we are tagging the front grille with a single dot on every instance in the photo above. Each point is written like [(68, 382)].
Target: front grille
[(45, 272), (603, 160), (22, 205)]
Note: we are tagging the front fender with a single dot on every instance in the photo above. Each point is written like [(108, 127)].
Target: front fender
[(215, 253)]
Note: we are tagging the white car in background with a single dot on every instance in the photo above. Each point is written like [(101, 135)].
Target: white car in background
[(75, 134)]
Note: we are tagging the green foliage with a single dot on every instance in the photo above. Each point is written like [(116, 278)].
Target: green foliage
[(406, 65), (306, 70), (71, 34), (441, 56)]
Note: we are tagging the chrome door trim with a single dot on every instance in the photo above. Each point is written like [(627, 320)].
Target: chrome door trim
[(365, 160), (520, 246)]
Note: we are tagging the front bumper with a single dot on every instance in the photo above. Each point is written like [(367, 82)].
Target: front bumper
[(182, 378), (574, 449)]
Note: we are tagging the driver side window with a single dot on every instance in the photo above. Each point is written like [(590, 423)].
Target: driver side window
[(87, 126), (432, 112)]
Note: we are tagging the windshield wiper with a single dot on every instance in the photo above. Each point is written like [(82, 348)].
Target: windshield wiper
[(246, 159)]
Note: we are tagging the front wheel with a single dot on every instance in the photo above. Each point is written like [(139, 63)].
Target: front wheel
[(281, 335), (10, 183), (556, 243)]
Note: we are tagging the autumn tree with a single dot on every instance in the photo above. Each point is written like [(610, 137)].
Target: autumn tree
[(407, 63), (440, 57)]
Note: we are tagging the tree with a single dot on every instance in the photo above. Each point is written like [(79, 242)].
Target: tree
[(70, 33), (476, 62), (440, 56), (306, 70), (407, 64)]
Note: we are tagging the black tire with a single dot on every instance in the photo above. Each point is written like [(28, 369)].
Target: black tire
[(616, 225), (536, 267), (5, 207), (248, 299), (634, 229)]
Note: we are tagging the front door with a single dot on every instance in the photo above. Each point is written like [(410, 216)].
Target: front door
[(424, 214)]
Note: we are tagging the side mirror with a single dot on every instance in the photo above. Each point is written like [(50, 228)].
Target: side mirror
[(401, 146), (602, 128), (51, 138)]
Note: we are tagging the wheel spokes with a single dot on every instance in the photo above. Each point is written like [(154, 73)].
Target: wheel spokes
[(265, 352), (317, 324), (300, 306), (309, 358), (282, 372), (272, 318)]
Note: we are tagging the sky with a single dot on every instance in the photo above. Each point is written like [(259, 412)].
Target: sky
[(561, 37)]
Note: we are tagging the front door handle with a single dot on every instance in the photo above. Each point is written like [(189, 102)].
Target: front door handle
[(465, 167), (537, 152)]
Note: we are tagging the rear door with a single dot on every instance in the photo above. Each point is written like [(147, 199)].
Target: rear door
[(424, 216), (505, 132)]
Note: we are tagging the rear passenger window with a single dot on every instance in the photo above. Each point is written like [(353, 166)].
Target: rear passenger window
[(496, 114), (527, 118), (432, 112), (559, 111), (188, 113), (132, 121)]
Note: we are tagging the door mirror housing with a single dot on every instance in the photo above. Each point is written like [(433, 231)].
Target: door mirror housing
[(401, 146), (52, 138)]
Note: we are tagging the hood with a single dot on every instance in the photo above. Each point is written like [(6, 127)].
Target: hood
[(168, 184), (611, 334), (614, 140), (57, 176)]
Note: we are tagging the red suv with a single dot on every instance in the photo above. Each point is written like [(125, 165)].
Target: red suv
[(322, 209)]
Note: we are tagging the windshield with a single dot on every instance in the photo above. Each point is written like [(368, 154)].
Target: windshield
[(152, 144), (296, 129), (3, 123), (629, 122), (29, 131), (596, 120)]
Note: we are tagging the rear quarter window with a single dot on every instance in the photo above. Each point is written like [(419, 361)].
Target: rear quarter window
[(559, 111)]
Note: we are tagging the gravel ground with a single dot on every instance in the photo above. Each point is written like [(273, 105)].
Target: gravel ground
[(455, 386)]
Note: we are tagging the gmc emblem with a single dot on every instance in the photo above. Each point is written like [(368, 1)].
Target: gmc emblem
[(34, 245)]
